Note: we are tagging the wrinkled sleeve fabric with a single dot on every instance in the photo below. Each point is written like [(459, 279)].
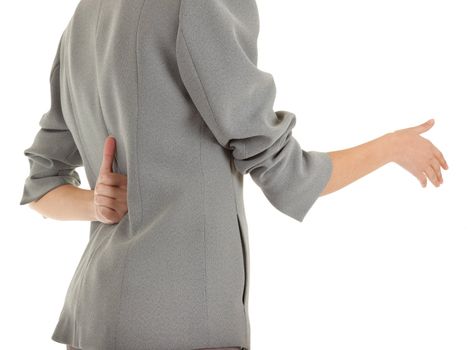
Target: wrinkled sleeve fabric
[(53, 155), (216, 51)]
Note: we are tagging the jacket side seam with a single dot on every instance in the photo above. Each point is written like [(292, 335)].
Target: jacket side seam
[(203, 195), (202, 173), (126, 256), (180, 29)]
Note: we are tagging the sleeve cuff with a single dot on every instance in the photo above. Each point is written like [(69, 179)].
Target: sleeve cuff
[(297, 195)]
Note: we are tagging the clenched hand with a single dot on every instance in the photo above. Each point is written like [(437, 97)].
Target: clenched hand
[(110, 194)]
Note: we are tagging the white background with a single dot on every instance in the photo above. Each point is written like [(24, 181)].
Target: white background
[(380, 264)]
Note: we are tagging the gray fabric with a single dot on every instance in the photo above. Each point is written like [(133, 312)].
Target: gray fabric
[(177, 84), (68, 347)]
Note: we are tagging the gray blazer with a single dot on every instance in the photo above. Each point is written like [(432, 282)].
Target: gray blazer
[(177, 84)]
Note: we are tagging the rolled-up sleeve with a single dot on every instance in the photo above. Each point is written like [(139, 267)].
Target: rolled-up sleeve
[(53, 155), (216, 52)]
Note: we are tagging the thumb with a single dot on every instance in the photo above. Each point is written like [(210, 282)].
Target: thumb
[(425, 126), (109, 149)]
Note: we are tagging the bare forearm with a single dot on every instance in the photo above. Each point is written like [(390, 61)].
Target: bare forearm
[(106, 203), (66, 202), (353, 163)]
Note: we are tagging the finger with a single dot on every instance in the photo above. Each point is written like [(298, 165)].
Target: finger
[(421, 127), (118, 206), (424, 126), (431, 175), (110, 191), (105, 201), (117, 211), (110, 215), (440, 157), (108, 155), (436, 167), (124, 180), (113, 179), (422, 179), (435, 164)]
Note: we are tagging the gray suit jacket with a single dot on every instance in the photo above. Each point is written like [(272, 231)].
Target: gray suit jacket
[(177, 84)]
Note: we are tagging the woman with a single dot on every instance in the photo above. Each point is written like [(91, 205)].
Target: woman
[(177, 84)]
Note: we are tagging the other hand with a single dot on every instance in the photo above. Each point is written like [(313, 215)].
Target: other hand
[(110, 193)]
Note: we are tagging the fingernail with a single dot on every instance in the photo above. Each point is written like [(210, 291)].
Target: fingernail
[(431, 121)]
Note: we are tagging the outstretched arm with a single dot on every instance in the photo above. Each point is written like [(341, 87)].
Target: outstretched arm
[(353, 163), (405, 147), (216, 50)]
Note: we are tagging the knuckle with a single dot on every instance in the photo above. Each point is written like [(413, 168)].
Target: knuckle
[(104, 201), (96, 200), (105, 178), (98, 188), (110, 202)]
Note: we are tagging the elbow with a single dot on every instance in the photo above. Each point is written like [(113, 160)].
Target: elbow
[(33, 205), (329, 186), (327, 190), (36, 206)]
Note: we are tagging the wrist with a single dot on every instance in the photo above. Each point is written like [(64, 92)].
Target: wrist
[(390, 146), (91, 205)]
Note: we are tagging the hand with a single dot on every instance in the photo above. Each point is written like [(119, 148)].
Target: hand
[(110, 194), (418, 155)]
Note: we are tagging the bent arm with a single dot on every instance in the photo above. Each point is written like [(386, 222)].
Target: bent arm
[(51, 187), (66, 202), (351, 164)]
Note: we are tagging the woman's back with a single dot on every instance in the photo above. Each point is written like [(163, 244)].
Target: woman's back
[(176, 83), (119, 76)]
